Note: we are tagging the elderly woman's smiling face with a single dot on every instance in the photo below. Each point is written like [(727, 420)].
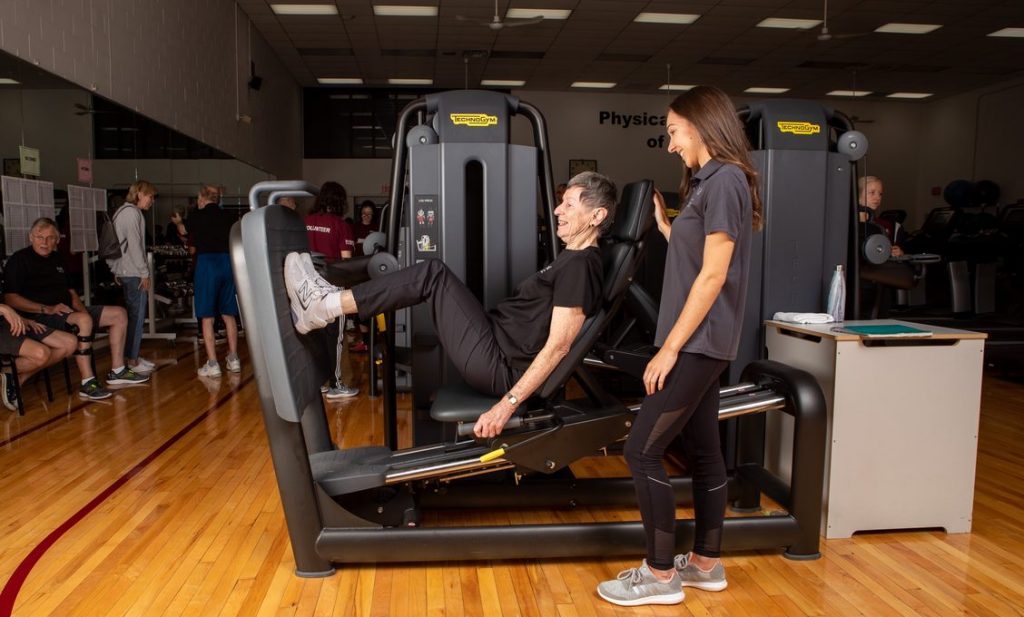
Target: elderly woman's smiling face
[(575, 219)]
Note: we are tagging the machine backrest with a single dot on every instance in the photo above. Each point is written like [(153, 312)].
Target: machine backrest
[(621, 253), (288, 366)]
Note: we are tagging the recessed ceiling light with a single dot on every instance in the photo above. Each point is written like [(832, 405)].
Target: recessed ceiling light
[(508, 83), (910, 95), (401, 81), (398, 10), (1009, 32), (7, 81), (793, 24), (593, 84), (339, 81), (304, 9), (849, 93), (677, 87), (666, 18), (760, 90), (897, 28), (545, 13)]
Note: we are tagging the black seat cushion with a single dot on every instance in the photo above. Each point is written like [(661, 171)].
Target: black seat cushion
[(460, 403)]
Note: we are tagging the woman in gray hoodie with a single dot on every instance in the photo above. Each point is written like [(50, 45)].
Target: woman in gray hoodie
[(132, 268)]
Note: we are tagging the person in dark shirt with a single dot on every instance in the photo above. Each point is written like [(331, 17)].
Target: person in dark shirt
[(510, 351), (869, 200), (36, 285), (209, 229), (33, 347), (366, 224)]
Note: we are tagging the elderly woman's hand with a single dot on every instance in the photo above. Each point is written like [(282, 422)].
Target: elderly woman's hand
[(490, 423)]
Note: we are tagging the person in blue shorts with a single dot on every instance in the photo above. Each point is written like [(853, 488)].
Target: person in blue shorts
[(209, 228)]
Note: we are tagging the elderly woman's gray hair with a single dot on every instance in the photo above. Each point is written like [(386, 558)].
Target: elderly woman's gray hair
[(598, 192)]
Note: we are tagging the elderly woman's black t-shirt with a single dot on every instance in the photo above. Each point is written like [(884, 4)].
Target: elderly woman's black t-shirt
[(521, 323)]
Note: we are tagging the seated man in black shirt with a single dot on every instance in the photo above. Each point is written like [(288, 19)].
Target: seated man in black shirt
[(36, 285), (33, 347), (533, 329)]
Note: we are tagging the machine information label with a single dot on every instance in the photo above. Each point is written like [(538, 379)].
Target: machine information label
[(798, 128), (425, 224), (474, 120)]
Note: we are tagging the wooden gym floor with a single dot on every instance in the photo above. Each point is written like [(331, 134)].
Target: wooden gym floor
[(162, 501)]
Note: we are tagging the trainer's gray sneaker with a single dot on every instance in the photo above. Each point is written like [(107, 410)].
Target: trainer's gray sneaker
[(692, 576), (340, 390), (639, 586), (308, 293)]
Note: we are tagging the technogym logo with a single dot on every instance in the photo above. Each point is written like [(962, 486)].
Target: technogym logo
[(474, 120), (799, 128)]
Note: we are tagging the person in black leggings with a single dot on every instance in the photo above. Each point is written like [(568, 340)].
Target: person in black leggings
[(699, 322), (509, 351)]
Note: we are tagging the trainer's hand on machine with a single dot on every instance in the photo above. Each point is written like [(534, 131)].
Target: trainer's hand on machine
[(490, 423), (661, 214), (658, 369)]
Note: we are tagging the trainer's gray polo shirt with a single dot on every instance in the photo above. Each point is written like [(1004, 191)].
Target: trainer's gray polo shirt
[(719, 200)]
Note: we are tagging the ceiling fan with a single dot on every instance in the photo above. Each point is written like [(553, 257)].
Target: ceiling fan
[(496, 23), (825, 35), (85, 110)]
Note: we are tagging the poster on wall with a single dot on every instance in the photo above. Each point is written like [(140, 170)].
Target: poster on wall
[(24, 202), (84, 170), (83, 203), (29, 160)]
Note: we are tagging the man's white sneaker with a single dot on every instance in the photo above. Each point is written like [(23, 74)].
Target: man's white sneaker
[(234, 363), (308, 295)]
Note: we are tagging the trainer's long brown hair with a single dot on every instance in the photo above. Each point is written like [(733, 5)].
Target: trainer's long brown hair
[(711, 112)]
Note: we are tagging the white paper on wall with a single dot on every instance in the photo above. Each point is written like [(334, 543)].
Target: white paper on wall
[(82, 216), (24, 202)]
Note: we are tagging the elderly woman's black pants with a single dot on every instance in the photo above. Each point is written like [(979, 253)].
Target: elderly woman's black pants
[(688, 404), (461, 323)]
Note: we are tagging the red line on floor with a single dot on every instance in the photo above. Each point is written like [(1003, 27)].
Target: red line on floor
[(10, 591), (80, 407)]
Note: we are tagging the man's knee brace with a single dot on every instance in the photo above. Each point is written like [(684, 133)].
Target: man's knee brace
[(86, 340)]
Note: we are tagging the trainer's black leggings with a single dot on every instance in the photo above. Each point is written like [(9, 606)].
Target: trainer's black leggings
[(689, 404), (461, 323)]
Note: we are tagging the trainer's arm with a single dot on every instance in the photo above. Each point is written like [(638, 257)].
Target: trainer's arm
[(566, 323)]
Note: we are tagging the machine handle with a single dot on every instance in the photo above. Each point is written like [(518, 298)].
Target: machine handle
[(270, 186), (279, 194)]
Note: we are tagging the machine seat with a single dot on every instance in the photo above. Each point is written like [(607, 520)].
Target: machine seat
[(460, 403), (341, 472)]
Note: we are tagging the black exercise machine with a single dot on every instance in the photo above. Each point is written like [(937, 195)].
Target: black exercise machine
[(364, 504)]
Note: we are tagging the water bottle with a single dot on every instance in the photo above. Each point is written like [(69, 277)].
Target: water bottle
[(837, 294)]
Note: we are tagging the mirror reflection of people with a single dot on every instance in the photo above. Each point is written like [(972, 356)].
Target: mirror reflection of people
[(869, 198), (699, 324), (131, 270), (36, 285), (363, 227), (508, 352), (209, 230), (331, 236)]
